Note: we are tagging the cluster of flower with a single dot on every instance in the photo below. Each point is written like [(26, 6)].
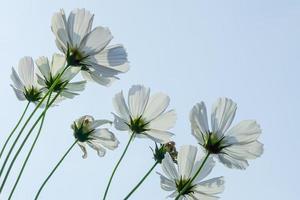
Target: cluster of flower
[(87, 50)]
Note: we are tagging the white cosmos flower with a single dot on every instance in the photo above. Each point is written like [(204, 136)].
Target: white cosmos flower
[(233, 147), (25, 82), (87, 132), (87, 48), (48, 72), (145, 115), (178, 176)]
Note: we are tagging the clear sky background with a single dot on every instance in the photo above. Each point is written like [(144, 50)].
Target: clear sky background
[(192, 50)]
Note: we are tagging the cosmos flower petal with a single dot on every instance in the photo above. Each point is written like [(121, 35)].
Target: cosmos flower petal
[(83, 148), (114, 57), (161, 137), (231, 162), (211, 187), (157, 104), (19, 94), (97, 147), (26, 71), (16, 80), (95, 41), (57, 64), (43, 66), (169, 168), (202, 196), (250, 150), (96, 77), (167, 184), (199, 122), (164, 121), (99, 122), (76, 86), (79, 24), (106, 138), (186, 159), (222, 115), (244, 132), (207, 168), (120, 106), (120, 123), (59, 28), (138, 97)]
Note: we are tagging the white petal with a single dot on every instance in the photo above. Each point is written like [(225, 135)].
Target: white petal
[(97, 147), (114, 57), (222, 115), (26, 71), (231, 162), (120, 123), (167, 184), (169, 168), (97, 123), (57, 64), (105, 137), (157, 104), (138, 97), (250, 150), (197, 196), (244, 132), (59, 28), (199, 122), (94, 76), (186, 159), (95, 41), (70, 73), (83, 148), (79, 25), (158, 136), (16, 80), (76, 86), (211, 187), (43, 66), (164, 122), (206, 169), (120, 106), (20, 95)]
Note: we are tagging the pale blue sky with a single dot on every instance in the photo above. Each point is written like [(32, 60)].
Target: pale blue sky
[(191, 50)]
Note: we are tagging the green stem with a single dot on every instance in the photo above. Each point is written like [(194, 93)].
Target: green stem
[(25, 140), (29, 118), (15, 128), (30, 151), (117, 165), (194, 177), (54, 169), (141, 181)]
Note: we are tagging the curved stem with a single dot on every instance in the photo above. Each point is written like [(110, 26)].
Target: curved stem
[(15, 128), (24, 141), (29, 118), (117, 165), (141, 181), (54, 169), (194, 177), (30, 151)]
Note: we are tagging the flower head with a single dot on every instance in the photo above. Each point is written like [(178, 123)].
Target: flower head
[(145, 115), (48, 72), (233, 147), (25, 83), (86, 132), (178, 176), (160, 152), (88, 49)]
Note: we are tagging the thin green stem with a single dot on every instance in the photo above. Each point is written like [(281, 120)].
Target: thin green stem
[(194, 177), (15, 128), (30, 151), (24, 141), (117, 165), (141, 181), (54, 169), (29, 118)]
